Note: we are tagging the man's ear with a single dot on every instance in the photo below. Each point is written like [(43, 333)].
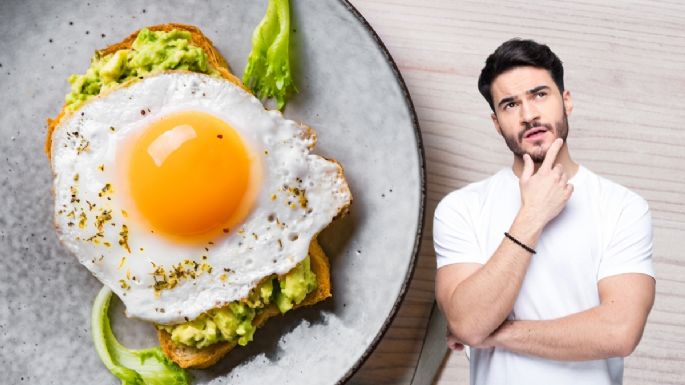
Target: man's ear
[(568, 102), (493, 116)]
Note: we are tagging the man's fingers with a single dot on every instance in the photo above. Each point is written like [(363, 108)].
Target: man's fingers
[(453, 343), (569, 189), (528, 167), (552, 152), (456, 346)]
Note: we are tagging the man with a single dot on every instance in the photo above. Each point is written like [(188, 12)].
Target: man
[(544, 269)]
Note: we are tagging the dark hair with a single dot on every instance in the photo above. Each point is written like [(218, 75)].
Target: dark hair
[(519, 53)]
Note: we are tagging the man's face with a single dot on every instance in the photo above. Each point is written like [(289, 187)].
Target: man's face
[(530, 112)]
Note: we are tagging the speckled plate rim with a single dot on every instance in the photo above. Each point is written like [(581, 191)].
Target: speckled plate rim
[(422, 204)]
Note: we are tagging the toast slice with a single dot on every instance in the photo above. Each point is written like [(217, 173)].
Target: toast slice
[(190, 357)]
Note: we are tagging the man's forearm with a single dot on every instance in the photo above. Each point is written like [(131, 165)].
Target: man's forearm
[(482, 302), (589, 335)]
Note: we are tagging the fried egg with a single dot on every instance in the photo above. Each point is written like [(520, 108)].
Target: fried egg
[(181, 192)]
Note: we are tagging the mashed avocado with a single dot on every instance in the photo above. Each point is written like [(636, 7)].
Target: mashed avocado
[(234, 322), (295, 285), (151, 51)]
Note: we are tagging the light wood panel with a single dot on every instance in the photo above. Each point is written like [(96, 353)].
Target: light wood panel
[(625, 65)]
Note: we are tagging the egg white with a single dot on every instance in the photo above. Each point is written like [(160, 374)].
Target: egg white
[(273, 238)]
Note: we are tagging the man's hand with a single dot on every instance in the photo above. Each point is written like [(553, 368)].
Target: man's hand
[(545, 192), (457, 345), (453, 342)]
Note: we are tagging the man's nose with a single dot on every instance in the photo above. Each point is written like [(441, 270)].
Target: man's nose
[(529, 112)]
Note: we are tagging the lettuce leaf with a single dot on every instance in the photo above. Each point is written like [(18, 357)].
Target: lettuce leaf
[(268, 67), (133, 367)]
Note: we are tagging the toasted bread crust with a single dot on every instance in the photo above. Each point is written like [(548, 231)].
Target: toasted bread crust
[(189, 357), (214, 58)]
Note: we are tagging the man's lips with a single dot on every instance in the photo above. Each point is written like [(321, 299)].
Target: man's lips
[(535, 133)]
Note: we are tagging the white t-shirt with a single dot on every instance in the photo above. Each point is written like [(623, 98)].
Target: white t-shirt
[(605, 229)]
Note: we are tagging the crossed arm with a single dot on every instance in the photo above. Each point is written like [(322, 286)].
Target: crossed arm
[(611, 329)]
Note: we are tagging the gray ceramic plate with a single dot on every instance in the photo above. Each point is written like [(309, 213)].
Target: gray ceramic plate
[(350, 92)]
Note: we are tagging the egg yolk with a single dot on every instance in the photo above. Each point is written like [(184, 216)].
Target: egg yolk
[(189, 174)]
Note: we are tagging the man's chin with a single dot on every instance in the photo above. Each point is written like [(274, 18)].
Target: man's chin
[(537, 154), (537, 158), (535, 148)]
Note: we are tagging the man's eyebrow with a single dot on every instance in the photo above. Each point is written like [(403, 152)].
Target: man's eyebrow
[(537, 89), (506, 101)]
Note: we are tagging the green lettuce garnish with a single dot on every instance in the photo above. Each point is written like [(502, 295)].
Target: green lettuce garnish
[(133, 367), (268, 66)]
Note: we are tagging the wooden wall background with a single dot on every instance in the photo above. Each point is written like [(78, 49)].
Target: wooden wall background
[(625, 66)]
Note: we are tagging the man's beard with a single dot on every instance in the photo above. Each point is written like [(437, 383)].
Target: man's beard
[(560, 129)]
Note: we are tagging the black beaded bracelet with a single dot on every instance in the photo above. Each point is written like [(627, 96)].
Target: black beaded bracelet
[(516, 241)]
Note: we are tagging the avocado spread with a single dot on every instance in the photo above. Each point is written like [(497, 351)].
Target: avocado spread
[(234, 321), (151, 51)]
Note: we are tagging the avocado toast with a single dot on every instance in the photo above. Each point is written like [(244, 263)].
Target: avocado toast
[(198, 343)]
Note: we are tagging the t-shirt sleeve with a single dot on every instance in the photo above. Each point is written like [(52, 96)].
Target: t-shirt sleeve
[(629, 248), (454, 235)]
